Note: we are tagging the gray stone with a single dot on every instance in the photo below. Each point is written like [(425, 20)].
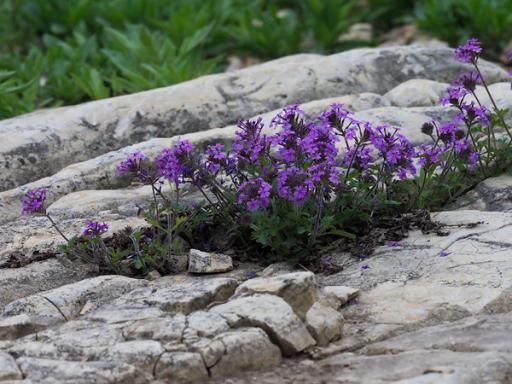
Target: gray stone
[(208, 262), (142, 354), (160, 328), (53, 371), (184, 297), (337, 296), (298, 289), (73, 341), (121, 313), (8, 368), (16, 283), (324, 324), (205, 324), (181, 367), (272, 314), (484, 333), (492, 194), (66, 302), (244, 349), (416, 93)]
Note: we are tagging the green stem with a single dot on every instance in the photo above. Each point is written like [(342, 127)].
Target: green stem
[(55, 227)]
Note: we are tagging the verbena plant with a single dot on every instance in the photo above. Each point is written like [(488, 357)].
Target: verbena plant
[(285, 195)]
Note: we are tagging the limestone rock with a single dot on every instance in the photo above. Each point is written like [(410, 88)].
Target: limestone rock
[(142, 354), (208, 262), (205, 324), (298, 289), (245, 349), (337, 296), (8, 368), (16, 283), (492, 194), (272, 314), (181, 367), (478, 333), (65, 303), (53, 371), (324, 323), (186, 297), (158, 328), (416, 93)]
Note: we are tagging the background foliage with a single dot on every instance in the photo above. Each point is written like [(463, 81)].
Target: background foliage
[(58, 52)]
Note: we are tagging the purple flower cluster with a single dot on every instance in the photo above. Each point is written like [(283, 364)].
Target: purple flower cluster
[(254, 194), (134, 165), (302, 160), (250, 144), (469, 52), (294, 184), (33, 201), (215, 158), (396, 150), (175, 164), (94, 229), (131, 164)]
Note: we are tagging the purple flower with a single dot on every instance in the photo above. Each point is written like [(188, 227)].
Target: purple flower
[(291, 118), (131, 164), (175, 163), (473, 159), (469, 51), (365, 266), (447, 131), (339, 118), (324, 173), (320, 144), (358, 158), (394, 243), (454, 95), (476, 114), (468, 80), (215, 157), (429, 155), (250, 144), (33, 201), (397, 151), (94, 229), (444, 253), (290, 138), (255, 194), (294, 184)]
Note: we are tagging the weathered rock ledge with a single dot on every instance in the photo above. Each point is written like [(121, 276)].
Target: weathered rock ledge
[(41, 143)]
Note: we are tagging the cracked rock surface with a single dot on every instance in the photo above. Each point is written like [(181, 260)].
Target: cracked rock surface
[(117, 329), (413, 316)]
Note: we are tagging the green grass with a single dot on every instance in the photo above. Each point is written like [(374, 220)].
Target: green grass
[(61, 52)]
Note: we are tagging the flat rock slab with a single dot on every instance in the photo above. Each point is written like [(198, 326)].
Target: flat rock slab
[(111, 329), (208, 262), (473, 350)]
